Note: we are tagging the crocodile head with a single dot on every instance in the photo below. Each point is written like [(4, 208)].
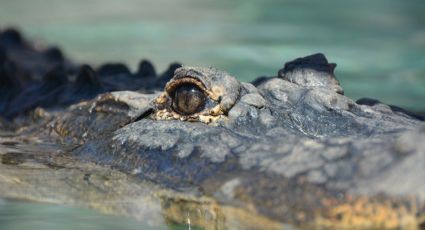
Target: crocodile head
[(291, 148), (209, 133)]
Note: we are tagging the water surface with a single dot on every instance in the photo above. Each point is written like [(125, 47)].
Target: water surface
[(379, 45), (16, 215)]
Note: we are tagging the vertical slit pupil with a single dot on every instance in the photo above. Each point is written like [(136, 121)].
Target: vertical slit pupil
[(188, 99)]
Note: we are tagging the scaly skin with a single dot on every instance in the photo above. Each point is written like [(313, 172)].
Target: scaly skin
[(285, 150)]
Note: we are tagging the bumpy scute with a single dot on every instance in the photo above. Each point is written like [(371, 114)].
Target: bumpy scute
[(286, 151)]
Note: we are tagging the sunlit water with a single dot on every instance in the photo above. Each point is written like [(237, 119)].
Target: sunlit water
[(379, 47)]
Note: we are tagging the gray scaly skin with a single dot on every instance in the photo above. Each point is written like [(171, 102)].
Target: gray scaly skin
[(287, 150)]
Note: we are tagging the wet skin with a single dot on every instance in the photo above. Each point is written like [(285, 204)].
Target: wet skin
[(286, 149)]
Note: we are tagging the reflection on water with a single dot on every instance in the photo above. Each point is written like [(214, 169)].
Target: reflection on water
[(16, 215), (36, 171), (22, 215), (379, 45)]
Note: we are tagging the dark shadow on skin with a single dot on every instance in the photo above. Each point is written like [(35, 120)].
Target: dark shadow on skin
[(316, 62), (260, 80), (31, 78), (372, 102)]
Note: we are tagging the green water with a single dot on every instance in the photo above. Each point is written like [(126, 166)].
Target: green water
[(16, 215), (21, 215), (379, 47)]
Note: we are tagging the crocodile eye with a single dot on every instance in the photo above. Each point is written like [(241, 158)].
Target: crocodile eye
[(188, 99)]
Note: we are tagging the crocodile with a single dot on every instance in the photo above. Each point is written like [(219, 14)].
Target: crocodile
[(195, 144)]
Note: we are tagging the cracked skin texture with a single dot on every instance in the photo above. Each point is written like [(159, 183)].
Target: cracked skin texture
[(289, 150)]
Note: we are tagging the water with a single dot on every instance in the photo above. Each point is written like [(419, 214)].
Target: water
[(379, 47), (23, 215), (15, 215)]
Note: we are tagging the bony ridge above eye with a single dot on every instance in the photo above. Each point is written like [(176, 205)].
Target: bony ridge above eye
[(197, 94), (188, 99)]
